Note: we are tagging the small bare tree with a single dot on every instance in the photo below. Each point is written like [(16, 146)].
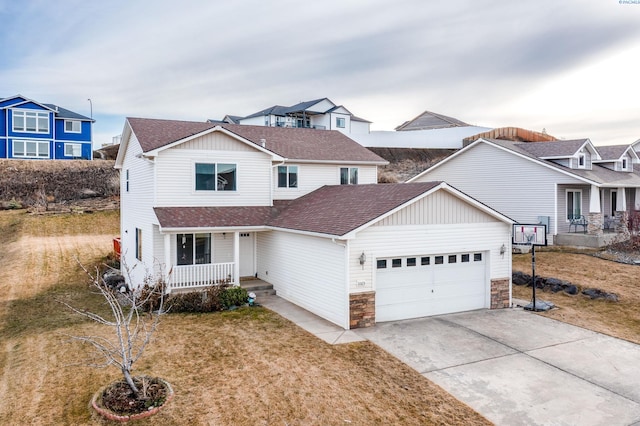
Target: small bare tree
[(135, 317)]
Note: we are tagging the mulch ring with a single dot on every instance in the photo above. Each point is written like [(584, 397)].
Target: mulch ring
[(118, 402)]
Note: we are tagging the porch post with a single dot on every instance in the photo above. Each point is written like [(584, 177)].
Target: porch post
[(637, 203), (167, 261), (622, 215), (594, 219), (236, 258)]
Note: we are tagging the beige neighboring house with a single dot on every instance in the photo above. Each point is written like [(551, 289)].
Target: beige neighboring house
[(583, 193), (300, 209)]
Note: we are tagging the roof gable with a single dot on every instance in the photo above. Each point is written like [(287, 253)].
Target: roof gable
[(557, 149), (338, 210), (12, 100), (616, 152), (430, 120)]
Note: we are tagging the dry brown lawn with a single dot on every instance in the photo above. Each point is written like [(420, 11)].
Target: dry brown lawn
[(621, 319), (245, 367)]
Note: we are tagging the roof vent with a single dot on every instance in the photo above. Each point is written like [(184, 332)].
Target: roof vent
[(263, 142)]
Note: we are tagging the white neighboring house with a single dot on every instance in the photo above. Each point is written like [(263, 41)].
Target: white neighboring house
[(316, 114), (584, 193), (301, 209)]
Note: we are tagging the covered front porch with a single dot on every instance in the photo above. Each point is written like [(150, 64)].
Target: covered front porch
[(198, 259), (607, 220)]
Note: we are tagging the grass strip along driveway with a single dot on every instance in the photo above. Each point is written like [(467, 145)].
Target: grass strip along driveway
[(244, 367)]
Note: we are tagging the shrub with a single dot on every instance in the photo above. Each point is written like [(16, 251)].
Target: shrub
[(234, 296)]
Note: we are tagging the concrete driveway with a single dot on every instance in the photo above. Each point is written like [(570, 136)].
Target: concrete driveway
[(518, 368)]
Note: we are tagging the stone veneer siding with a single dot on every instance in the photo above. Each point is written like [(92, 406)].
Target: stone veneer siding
[(362, 309), (594, 224), (500, 293), (622, 225)]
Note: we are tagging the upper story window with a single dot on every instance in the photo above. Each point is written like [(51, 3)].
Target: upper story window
[(30, 121), (215, 177), (72, 126), (625, 163), (582, 160), (287, 176), (31, 149), (340, 122), (348, 176)]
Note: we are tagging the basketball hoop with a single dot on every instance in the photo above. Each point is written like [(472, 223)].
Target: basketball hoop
[(532, 235)]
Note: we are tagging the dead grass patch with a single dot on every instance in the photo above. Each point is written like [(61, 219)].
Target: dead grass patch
[(621, 319), (244, 367)]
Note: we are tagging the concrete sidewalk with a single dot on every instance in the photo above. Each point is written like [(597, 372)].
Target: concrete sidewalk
[(312, 323)]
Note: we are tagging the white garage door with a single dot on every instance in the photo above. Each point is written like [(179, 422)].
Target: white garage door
[(418, 286)]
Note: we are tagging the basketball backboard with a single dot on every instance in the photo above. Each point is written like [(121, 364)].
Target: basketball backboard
[(530, 234)]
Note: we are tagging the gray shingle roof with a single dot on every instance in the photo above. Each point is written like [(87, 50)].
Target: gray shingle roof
[(612, 152), (430, 120), (331, 210), (563, 148), (598, 174), (290, 143)]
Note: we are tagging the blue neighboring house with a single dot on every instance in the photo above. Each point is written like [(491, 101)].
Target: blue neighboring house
[(33, 130)]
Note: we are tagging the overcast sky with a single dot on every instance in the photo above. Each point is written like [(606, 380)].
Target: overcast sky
[(571, 67)]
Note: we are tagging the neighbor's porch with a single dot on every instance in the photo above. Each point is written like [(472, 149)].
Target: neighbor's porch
[(605, 219), (199, 259)]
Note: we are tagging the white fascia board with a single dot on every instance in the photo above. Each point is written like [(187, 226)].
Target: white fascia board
[(517, 154), (124, 143), (362, 163), (309, 233), (28, 101), (154, 153), (191, 230)]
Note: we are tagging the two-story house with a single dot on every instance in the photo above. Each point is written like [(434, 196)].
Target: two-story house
[(33, 130), (316, 114), (570, 185), (204, 203)]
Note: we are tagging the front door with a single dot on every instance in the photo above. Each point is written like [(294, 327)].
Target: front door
[(247, 254)]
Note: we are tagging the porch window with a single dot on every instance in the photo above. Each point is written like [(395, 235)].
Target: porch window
[(348, 176), (193, 249), (215, 177), (287, 176), (574, 203)]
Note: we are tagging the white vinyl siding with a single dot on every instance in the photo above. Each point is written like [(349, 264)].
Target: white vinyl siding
[(308, 271), (313, 176), (138, 214), (175, 178), (514, 186)]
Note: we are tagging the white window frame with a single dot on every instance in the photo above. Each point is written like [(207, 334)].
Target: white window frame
[(341, 122), (582, 157), (624, 164), (566, 198), (218, 178), (349, 175), (288, 172), (24, 114), (39, 151), (205, 237), (76, 126), (75, 148), (126, 180)]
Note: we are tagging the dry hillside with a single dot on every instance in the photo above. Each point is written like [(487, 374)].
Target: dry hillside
[(404, 163), (49, 184)]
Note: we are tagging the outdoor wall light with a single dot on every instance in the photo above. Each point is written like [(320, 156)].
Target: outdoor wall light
[(363, 258), (503, 249)]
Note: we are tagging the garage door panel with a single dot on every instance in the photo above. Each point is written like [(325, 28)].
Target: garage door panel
[(457, 284)]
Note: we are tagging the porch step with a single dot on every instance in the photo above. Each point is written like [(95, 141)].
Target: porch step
[(259, 287)]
